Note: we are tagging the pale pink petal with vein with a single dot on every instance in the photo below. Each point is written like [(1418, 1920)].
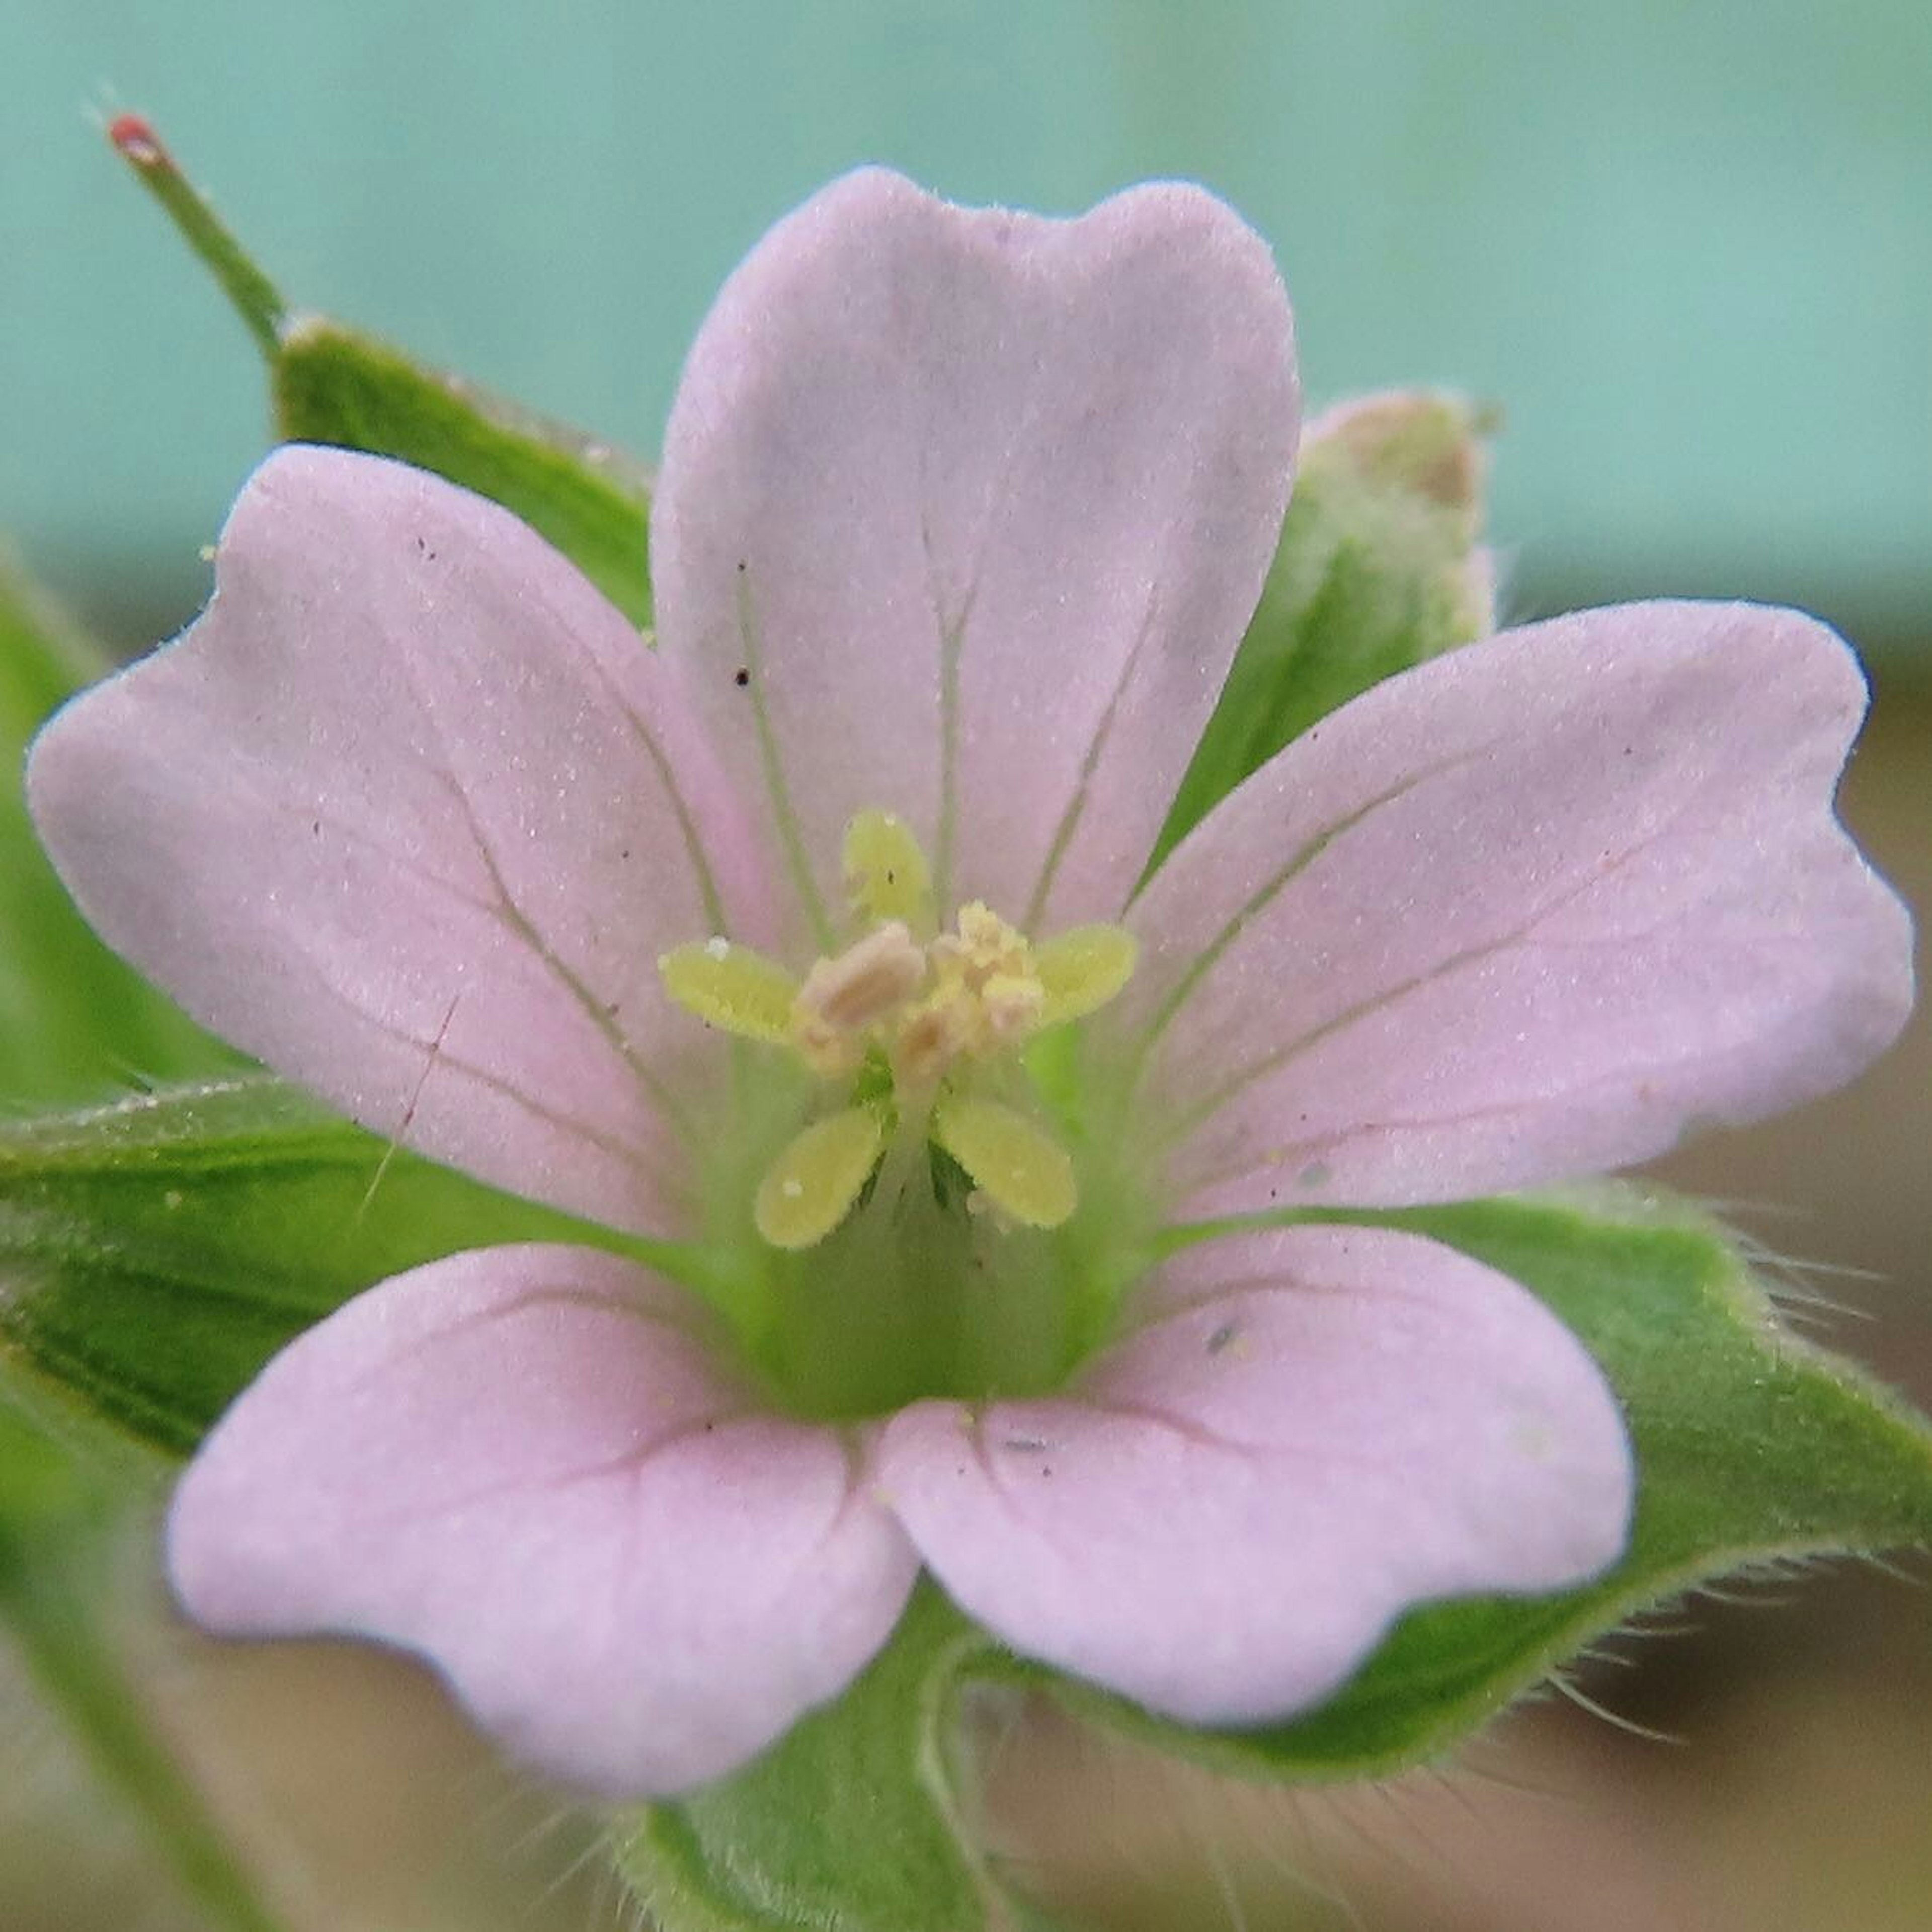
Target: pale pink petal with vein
[(1529, 911), (409, 814), (1314, 1429), (1051, 455), (530, 1466)]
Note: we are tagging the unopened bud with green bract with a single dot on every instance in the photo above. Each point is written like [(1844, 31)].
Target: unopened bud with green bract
[(1379, 568)]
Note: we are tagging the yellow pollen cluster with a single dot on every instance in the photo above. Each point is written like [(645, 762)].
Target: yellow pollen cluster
[(931, 1010)]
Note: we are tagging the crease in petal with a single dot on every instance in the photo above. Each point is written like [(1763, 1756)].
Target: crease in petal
[(533, 1467), (1311, 1430), (1528, 911), (409, 814), (987, 567)]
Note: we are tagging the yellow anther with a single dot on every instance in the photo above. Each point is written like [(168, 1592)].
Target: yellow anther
[(886, 872), (1017, 1166), (984, 971), (1081, 969), (930, 1038), (1011, 1003), (812, 1186), (731, 988), (842, 997), (986, 945), (916, 1013)]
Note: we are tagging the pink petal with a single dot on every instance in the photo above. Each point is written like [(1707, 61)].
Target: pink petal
[(1315, 1428), (1051, 455), (409, 814), (1530, 910), (531, 1465)]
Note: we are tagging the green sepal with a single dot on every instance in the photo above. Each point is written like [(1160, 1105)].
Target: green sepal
[(53, 1505), (1378, 567), (332, 384), (73, 1021), (1753, 1448), (154, 1254), (851, 1821)]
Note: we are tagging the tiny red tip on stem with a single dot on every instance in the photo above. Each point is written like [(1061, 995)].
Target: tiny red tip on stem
[(134, 137), (255, 298)]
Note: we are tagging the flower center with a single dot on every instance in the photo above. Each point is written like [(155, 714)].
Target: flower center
[(914, 1036)]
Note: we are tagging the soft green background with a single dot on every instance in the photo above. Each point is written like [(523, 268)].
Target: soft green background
[(1689, 246)]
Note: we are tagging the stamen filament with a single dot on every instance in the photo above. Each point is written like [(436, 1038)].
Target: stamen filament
[(1015, 1164), (733, 987), (1081, 970), (910, 1020), (886, 872), (812, 1186)]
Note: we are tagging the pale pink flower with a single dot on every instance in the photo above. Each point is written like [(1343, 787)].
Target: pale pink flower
[(961, 517)]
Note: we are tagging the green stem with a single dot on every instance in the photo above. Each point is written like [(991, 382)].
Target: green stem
[(73, 1668), (52, 1507), (255, 298)]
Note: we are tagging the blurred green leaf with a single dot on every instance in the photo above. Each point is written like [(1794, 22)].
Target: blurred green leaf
[(1378, 569), (848, 1822), (73, 1019), (51, 1505), (154, 1254), (332, 384), (1752, 1446)]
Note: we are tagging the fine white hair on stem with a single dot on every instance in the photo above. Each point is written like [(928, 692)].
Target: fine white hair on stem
[(1560, 1682)]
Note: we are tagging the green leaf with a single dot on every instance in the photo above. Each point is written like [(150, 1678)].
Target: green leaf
[(848, 1824), (51, 1506), (332, 384), (154, 1254), (1752, 1446), (73, 1019), (1377, 570)]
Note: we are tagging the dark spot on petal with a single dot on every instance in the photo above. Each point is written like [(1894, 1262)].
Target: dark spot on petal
[(742, 676), (1222, 1337)]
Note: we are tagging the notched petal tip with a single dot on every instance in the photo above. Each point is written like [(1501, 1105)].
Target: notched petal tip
[(329, 820), (1574, 889), (536, 1468), (1313, 1431), (981, 501)]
